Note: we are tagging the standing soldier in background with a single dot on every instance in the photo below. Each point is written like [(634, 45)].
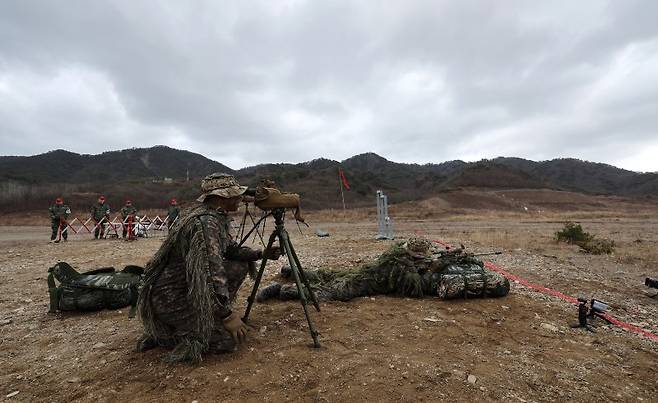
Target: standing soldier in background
[(128, 214), (59, 212), (172, 215), (100, 211)]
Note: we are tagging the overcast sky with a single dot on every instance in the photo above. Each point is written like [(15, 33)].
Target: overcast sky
[(288, 81)]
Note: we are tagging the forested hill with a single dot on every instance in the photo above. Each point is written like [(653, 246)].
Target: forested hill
[(62, 166), (139, 174)]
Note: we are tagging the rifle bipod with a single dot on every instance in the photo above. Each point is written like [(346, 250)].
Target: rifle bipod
[(303, 286)]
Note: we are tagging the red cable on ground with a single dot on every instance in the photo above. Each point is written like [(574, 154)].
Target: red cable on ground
[(628, 326), (545, 290), (526, 283)]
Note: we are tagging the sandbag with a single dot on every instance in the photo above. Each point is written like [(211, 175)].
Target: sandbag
[(471, 281), (94, 290), (270, 198)]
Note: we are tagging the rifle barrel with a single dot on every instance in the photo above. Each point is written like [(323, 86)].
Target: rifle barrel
[(488, 253)]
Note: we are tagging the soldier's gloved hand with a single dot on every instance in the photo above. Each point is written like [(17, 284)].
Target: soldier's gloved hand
[(272, 253), (236, 327)]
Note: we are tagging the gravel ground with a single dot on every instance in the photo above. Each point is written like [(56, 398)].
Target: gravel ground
[(518, 348)]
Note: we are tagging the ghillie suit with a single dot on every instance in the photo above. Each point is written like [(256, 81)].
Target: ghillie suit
[(103, 288), (190, 285), (399, 271)]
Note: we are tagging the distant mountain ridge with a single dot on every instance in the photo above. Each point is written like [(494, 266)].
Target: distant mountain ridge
[(61, 166), (23, 180)]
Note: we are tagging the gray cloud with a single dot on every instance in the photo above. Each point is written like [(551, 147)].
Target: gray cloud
[(419, 81)]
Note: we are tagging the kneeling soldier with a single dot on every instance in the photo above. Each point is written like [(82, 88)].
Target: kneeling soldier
[(191, 282)]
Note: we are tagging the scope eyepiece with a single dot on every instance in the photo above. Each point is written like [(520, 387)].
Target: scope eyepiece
[(599, 306)]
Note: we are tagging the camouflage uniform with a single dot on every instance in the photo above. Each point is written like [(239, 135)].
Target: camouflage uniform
[(127, 210), (58, 215), (400, 273), (191, 283), (98, 211)]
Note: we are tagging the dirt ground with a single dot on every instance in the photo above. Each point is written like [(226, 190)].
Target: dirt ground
[(517, 348)]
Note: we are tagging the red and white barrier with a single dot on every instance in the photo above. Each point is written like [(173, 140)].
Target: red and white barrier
[(144, 224)]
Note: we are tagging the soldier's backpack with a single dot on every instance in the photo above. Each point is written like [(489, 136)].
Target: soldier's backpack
[(471, 281), (103, 288)]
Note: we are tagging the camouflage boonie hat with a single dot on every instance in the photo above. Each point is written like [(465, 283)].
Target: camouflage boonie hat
[(418, 247), (219, 184)]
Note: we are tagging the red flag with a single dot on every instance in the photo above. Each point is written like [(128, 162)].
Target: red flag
[(344, 179)]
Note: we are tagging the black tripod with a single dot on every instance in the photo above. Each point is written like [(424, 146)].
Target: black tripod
[(303, 286), (583, 314)]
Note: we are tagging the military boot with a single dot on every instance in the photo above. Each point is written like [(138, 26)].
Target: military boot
[(269, 292), (286, 271), (145, 343)]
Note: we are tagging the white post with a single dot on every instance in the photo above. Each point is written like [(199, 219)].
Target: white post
[(384, 223)]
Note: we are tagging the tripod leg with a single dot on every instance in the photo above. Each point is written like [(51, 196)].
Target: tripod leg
[(259, 234), (303, 277), (243, 224), (284, 241), (259, 276)]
